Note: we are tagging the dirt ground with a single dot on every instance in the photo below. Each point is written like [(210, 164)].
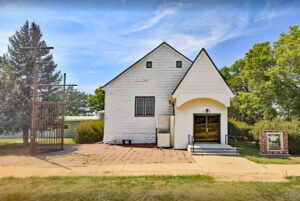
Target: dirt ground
[(136, 160)]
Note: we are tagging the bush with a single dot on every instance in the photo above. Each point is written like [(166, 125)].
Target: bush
[(240, 130), (89, 132), (293, 128)]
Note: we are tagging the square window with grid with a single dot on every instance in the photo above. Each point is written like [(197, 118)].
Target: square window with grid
[(144, 106)]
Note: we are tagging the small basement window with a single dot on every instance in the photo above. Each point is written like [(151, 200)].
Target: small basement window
[(149, 64), (144, 106), (66, 126), (178, 64)]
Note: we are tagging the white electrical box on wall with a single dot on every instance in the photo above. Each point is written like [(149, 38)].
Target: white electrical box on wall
[(164, 131), (163, 140)]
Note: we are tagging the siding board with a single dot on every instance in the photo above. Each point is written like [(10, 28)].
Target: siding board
[(158, 81), (202, 88)]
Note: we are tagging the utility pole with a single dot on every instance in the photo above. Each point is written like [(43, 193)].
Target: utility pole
[(35, 86)]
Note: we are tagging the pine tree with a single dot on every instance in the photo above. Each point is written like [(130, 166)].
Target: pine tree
[(18, 70), (76, 102)]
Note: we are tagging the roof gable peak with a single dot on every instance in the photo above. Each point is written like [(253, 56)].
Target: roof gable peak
[(203, 51), (149, 53)]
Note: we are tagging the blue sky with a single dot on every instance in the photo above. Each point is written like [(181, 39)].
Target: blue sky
[(94, 41)]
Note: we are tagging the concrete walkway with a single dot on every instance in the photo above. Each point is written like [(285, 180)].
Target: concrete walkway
[(241, 169), (104, 160), (222, 168)]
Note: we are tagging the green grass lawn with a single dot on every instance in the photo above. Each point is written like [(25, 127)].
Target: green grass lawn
[(250, 151), (144, 188), (20, 141), (11, 141)]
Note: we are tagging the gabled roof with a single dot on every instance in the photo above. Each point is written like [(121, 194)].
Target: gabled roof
[(163, 43), (202, 50)]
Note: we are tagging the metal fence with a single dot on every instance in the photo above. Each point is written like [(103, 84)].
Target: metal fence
[(49, 127)]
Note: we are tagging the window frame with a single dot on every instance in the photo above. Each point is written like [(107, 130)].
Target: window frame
[(148, 62), (281, 141), (66, 126), (144, 106), (178, 62), (136, 107)]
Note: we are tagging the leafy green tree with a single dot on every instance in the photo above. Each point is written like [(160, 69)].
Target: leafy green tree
[(18, 71), (267, 80), (233, 76), (249, 81), (259, 60), (285, 75), (96, 101), (76, 102)]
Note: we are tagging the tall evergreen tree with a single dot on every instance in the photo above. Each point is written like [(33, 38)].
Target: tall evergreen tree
[(10, 102), (76, 102), (19, 69)]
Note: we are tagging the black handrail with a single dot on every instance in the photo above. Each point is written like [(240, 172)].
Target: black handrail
[(235, 142)]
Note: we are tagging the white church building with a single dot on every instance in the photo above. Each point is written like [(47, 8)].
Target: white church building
[(166, 93)]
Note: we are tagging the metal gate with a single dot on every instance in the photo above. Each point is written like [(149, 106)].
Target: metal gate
[(47, 117), (49, 127), (47, 123)]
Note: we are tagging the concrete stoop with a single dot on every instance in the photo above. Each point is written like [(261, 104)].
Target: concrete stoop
[(212, 149)]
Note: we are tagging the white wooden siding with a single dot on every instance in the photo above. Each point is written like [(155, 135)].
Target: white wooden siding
[(158, 81), (202, 88), (184, 123), (203, 81)]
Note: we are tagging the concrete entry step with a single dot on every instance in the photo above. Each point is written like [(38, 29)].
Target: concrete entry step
[(212, 149), (216, 154)]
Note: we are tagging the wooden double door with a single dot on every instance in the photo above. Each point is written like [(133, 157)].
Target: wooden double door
[(207, 127)]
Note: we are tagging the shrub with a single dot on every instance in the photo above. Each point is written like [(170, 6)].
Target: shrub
[(89, 132), (240, 130), (293, 128)]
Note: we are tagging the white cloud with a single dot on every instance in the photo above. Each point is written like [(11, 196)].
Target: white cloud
[(91, 45), (193, 34), (270, 12), (267, 15), (162, 11)]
